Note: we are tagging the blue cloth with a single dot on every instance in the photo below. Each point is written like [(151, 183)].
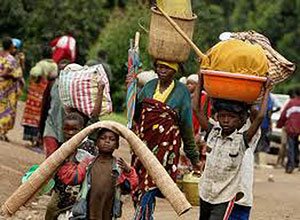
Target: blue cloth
[(240, 212), (293, 152), (17, 43), (145, 209), (265, 122)]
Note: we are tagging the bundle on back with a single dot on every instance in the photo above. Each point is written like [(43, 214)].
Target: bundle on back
[(176, 8), (235, 70), (78, 88), (237, 67), (236, 56), (279, 68)]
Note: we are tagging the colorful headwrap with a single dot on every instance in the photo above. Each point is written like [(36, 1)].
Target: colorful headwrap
[(236, 56), (174, 66), (231, 106)]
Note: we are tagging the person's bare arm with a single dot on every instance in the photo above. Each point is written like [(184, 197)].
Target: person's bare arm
[(203, 120), (259, 118), (98, 104)]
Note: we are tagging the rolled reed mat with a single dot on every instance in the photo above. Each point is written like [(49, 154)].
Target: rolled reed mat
[(160, 176)]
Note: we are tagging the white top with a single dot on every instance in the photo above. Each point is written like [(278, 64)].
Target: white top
[(247, 170), (224, 172)]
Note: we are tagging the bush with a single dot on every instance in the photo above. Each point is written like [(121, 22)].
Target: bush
[(115, 38)]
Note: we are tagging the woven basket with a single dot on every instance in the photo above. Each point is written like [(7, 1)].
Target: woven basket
[(165, 42), (49, 166)]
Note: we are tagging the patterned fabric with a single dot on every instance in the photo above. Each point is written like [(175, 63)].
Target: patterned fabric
[(34, 105), (179, 101), (70, 176), (162, 97), (221, 179), (79, 89), (133, 68), (279, 68), (158, 128), (10, 73)]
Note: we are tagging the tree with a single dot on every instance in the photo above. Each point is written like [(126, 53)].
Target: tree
[(115, 38)]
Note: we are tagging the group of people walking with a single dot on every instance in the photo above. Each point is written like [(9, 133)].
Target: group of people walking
[(218, 137)]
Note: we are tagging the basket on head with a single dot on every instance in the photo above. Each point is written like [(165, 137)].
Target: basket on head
[(176, 8), (165, 42)]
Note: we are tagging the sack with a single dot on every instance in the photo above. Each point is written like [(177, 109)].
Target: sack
[(78, 88), (279, 68)]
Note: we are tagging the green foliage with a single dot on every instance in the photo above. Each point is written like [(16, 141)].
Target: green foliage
[(100, 24), (38, 22), (115, 39), (117, 117)]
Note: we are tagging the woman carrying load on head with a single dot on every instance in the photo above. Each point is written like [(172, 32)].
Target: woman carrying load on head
[(10, 76), (163, 118), (42, 77)]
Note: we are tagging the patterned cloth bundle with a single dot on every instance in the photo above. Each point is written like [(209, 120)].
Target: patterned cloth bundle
[(78, 88), (279, 68)]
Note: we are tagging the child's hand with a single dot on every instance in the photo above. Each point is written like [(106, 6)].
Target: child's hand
[(197, 167), (123, 165)]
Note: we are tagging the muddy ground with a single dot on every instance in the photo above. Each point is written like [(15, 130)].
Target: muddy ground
[(273, 200)]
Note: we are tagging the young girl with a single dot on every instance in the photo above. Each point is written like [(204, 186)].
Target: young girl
[(106, 178)]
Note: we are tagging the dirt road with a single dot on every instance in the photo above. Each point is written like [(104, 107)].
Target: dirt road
[(278, 200)]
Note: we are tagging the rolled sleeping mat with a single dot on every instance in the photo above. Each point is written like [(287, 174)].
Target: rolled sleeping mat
[(45, 171)]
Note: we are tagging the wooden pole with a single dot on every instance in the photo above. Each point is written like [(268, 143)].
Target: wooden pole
[(181, 32), (136, 40)]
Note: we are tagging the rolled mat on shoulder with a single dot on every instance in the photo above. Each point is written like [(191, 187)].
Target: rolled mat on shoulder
[(49, 166)]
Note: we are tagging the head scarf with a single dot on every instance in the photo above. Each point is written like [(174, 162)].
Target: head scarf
[(146, 76), (17, 43), (193, 77), (183, 80), (236, 56), (174, 66)]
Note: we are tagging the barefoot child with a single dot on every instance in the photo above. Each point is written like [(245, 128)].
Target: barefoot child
[(69, 175), (227, 140), (106, 178)]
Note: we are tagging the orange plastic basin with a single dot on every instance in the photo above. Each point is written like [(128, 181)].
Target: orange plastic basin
[(232, 86)]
